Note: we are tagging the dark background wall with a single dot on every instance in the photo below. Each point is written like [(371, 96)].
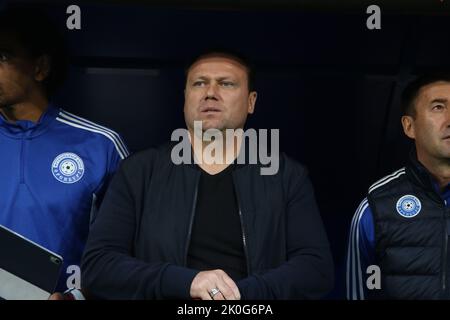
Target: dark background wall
[(327, 82)]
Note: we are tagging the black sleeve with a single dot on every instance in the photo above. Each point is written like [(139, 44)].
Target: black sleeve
[(109, 269), (308, 272)]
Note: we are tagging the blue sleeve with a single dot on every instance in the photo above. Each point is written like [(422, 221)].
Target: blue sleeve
[(360, 252), (117, 152)]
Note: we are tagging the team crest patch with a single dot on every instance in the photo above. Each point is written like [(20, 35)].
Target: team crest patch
[(408, 206), (68, 168)]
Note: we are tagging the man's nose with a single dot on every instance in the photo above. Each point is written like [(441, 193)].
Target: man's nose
[(447, 122), (447, 117), (211, 91)]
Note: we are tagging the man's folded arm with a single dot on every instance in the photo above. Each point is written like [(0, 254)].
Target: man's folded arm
[(109, 270), (308, 272)]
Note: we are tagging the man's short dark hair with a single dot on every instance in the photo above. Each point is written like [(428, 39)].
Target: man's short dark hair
[(38, 36), (411, 91), (227, 53)]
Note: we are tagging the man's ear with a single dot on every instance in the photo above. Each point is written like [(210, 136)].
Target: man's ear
[(251, 101), (408, 126), (42, 68)]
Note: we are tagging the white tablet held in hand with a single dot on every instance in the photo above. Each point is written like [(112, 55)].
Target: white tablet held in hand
[(28, 271)]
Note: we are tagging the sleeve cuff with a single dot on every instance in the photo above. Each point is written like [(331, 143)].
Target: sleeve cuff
[(243, 286), (74, 294), (176, 282)]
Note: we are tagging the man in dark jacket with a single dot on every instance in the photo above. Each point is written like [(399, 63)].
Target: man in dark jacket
[(402, 227), (209, 229)]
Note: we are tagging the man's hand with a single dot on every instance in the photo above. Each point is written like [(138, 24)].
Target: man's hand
[(72, 294), (56, 296), (206, 283)]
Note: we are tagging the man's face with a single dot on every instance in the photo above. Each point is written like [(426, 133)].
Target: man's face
[(431, 126), (17, 71), (217, 94)]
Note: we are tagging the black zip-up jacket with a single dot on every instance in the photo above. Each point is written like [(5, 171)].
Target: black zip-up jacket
[(138, 244)]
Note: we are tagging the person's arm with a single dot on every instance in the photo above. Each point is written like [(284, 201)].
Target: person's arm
[(109, 270), (308, 272), (114, 159), (360, 252)]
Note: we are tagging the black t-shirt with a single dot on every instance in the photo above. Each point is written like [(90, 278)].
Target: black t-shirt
[(216, 239)]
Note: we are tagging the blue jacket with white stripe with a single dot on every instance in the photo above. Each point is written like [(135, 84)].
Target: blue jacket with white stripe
[(51, 172), (401, 227)]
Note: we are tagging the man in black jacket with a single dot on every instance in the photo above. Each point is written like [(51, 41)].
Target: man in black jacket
[(209, 229)]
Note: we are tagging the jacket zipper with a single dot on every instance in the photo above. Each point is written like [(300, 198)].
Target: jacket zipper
[(244, 241), (191, 222), (444, 267), (444, 260), (244, 237), (22, 180)]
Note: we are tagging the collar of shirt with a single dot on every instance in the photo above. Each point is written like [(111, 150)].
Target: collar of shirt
[(443, 193), (27, 128)]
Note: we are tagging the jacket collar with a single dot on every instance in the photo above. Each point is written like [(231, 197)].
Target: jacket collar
[(26, 128), (422, 177)]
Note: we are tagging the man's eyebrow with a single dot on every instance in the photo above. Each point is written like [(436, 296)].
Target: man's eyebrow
[(224, 78), (440, 100), (200, 78)]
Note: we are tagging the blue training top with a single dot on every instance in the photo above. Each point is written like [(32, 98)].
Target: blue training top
[(51, 172)]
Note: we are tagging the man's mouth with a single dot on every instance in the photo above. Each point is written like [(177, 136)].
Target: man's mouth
[(210, 110)]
